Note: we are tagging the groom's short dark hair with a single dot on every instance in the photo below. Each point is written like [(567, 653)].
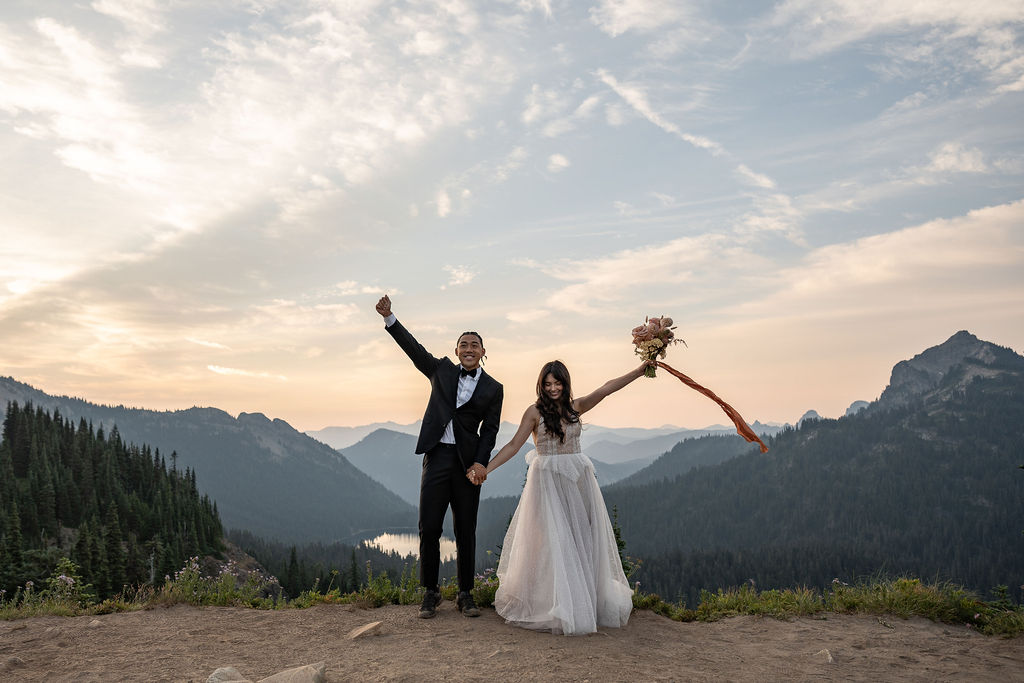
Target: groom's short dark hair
[(475, 334)]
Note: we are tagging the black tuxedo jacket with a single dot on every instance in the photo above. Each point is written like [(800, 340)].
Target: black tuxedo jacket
[(475, 423)]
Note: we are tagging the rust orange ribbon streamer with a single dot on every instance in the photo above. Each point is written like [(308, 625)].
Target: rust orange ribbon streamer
[(742, 428)]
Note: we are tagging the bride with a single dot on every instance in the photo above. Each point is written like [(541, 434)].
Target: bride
[(560, 569)]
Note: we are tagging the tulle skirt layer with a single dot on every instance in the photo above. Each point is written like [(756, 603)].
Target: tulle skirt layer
[(560, 569)]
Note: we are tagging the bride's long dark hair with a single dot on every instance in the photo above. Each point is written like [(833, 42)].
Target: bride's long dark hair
[(553, 412)]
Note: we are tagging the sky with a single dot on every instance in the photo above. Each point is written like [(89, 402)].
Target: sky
[(201, 201)]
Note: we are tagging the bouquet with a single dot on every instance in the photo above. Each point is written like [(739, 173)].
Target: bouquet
[(652, 340)]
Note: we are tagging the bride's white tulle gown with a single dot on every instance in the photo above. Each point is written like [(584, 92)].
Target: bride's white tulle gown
[(560, 569)]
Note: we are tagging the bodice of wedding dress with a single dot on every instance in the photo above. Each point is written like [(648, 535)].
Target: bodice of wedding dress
[(549, 444)]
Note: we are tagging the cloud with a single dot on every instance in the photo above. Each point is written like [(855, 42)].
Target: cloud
[(756, 179), (529, 315), (953, 157), (255, 95), (244, 373), (458, 275), (948, 159), (637, 99), (976, 260), (633, 274), (512, 161), (352, 288), (444, 203), (564, 124), (837, 22), (208, 344), (557, 162), (966, 36), (296, 317), (616, 17), (909, 103), (143, 19), (542, 6), (484, 173), (773, 213), (543, 104)]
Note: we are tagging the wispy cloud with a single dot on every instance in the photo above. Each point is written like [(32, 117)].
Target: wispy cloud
[(953, 157), (558, 162), (235, 372), (458, 276), (543, 104), (564, 124), (756, 179), (526, 316), (630, 273), (351, 288), (637, 99), (972, 36), (444, 203), (208, 344), (940, 264), (616, 17)]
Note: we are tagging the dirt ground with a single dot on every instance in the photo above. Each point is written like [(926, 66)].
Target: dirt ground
[(184, 643)]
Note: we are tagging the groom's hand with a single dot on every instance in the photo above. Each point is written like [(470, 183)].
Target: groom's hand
[(384, 306), (477, 473)]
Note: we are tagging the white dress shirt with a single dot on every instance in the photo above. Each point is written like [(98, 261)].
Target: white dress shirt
[(467, 385)]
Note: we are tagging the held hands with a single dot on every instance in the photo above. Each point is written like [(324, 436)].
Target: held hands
[(384, 306), (477, 474)]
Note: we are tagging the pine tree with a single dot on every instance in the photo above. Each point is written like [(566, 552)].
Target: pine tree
[(291, 578), (12, 565)]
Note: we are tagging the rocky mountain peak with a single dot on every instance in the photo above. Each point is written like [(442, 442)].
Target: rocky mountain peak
[(925, 371), (809, 415)]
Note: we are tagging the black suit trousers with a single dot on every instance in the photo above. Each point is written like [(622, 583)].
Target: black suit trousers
[(443, 483)]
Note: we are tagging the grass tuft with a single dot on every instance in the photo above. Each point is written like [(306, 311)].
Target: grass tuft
[(65, 595)]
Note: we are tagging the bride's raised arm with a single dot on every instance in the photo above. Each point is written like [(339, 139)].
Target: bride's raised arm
[(531, 418), (585, 403)]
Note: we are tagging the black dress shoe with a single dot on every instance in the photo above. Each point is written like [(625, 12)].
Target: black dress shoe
[(466, 605), (430, 602)]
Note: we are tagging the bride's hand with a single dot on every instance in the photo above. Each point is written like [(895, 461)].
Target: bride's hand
[(477, 474)]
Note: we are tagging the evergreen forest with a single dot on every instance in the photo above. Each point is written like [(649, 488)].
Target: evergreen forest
[(117, 510), (327, 566), (932, 489)]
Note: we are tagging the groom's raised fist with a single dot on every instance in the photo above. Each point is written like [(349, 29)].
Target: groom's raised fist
[(384, 306)]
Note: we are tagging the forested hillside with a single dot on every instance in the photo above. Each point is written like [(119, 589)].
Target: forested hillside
[(929, 486), (335, 565), (266, 477), (685, 455), (120, 511)]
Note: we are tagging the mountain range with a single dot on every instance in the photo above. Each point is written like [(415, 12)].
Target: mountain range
[(926, 481), (278, 483), (606, 444), (387, 456), (265, 476), (923, 480)]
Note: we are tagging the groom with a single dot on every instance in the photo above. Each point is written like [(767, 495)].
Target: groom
[(456, 437)]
